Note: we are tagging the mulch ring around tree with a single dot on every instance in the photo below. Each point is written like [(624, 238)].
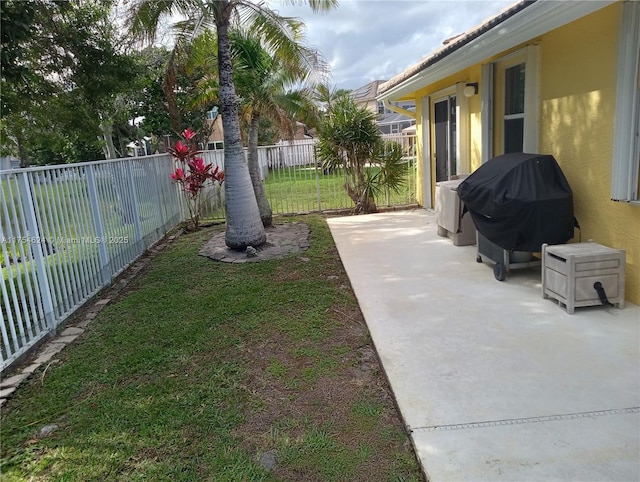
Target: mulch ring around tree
[(282, 240)]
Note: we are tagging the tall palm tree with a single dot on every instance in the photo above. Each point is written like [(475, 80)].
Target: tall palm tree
[(244, 227), (264, 82)]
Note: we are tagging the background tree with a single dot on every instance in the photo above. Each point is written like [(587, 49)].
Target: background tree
[(244, 226), (265, 83), (65, 76), (152, 104)]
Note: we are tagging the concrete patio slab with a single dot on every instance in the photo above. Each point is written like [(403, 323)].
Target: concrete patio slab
[(493, 381)]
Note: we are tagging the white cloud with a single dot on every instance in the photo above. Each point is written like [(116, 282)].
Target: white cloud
[(365, 40)]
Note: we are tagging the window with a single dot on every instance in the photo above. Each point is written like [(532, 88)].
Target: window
[(514, 109), (407, 105), (625, 184), (218, 145), (381, 108), (510, 103)]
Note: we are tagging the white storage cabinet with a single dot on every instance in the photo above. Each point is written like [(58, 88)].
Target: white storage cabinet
[(569, 272)]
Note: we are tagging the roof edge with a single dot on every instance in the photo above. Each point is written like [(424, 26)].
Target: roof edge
[(517, 25), (457, 43)]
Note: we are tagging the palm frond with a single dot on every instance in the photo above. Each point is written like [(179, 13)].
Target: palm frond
[(316, 5), (283, 37), (393, 169), (145, 16)]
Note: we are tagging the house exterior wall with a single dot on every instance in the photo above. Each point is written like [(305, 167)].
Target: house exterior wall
[(471, 74), (371, 105), (578, 98), (577, 75), (218, 134)]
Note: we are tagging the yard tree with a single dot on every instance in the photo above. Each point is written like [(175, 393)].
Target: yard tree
[(274, 88), (244, 226), (268, 86), (326, 96)]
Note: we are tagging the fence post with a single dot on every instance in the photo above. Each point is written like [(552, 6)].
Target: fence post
[(134, 208), (103, 255), (159, 199), (315, 163), (37, 251)]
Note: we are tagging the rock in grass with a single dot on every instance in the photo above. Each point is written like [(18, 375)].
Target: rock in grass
[(47, 430), (268, 460)]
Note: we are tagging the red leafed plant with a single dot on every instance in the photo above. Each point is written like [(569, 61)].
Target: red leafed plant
[(192, 174)]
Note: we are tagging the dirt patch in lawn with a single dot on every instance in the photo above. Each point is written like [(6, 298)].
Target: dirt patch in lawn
[(313, 394)]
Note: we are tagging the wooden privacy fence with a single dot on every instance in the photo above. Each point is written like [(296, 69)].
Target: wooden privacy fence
[(67, 231)]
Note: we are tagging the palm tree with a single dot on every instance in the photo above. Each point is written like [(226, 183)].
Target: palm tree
[(264, 81), (244, 227)]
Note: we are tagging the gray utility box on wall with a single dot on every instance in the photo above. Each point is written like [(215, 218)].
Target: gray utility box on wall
[(448, 214), (570, 273)]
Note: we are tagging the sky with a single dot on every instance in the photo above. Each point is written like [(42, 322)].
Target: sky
[(365, 40)]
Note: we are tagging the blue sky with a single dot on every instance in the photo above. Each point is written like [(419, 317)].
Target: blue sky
[(365, 40)]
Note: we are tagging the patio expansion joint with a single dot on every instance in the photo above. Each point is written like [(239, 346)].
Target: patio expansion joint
[(525, 420)]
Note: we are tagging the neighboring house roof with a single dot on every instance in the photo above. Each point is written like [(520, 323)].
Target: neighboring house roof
[(366, 92), (393, 118), (514, 25)]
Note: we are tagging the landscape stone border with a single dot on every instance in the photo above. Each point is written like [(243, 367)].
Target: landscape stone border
[(46, 353), (282, 239)]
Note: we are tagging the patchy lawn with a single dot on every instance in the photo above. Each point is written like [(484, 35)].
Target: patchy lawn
[(215, 371)]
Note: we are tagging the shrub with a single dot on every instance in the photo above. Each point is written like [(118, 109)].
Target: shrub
[(192, 174)]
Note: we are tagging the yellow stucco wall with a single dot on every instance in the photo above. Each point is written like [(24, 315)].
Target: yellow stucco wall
[(578, 96), (578, 70), (468, 75)]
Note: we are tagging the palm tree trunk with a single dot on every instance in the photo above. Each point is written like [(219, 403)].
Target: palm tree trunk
[(254, 170), (244, 226), (169, 88)]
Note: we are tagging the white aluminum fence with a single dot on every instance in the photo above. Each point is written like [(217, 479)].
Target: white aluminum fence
[(296, 183), (66, 232)]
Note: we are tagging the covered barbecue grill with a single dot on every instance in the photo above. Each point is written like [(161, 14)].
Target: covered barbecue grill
[(518, 201)]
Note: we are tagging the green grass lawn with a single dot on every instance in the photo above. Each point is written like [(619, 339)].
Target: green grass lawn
[(201, 367), (295, 190)]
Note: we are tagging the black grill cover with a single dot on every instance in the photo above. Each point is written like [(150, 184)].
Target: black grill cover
[(519, 201)]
